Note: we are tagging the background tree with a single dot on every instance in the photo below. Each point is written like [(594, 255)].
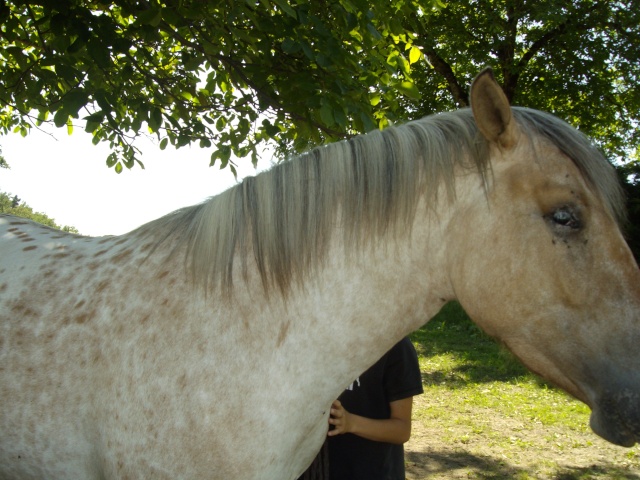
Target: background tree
[(225, 73), (14, 206), (630, 176), (232, 74), (317, 71), (578, 59), (3, 162)]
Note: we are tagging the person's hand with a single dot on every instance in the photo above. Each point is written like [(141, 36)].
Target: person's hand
[(395, 429), (339, 417)]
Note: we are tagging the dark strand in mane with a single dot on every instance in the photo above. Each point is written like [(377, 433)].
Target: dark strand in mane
[(368, 186)]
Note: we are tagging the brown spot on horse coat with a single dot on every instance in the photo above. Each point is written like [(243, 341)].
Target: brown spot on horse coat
[(122, 256)]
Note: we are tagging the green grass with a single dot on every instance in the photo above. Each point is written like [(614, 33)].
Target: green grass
[(455, 354), (481, 404)]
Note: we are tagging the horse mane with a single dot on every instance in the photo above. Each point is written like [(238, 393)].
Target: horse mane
[(369, 186)]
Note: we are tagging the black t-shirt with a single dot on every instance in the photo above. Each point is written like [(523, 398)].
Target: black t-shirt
[(394, 377)]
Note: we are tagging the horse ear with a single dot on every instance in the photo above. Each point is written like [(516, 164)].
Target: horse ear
[(491, 110)]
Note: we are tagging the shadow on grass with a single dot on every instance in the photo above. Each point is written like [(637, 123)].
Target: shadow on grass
[(454, 465), (480, 358), (607, 472), (449, 464)]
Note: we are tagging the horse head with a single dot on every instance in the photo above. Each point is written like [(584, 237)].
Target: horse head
[(560, 287)]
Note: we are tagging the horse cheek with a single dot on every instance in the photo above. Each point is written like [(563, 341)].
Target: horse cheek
[(477, 277)]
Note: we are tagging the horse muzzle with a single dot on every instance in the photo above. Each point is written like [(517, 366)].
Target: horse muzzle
[(616, 417)]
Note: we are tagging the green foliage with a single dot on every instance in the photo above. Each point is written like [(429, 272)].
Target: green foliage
[(14, 206), (230, 75), (578, 59), (202, 72), (3, 162)]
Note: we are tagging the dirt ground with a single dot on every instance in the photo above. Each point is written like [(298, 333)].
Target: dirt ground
[(518, 451)]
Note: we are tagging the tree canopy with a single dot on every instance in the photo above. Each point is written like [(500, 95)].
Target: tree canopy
[(228, 75), (224, 74), (578, 59)]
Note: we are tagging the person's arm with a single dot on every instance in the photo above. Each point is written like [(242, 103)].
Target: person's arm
[(396, 429)]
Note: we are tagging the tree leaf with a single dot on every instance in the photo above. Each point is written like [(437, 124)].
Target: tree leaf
[(60, 118), (74, 100), (414, 54), (99, 53), (155, 119), (340, 117), (286, 8), (409, 89), (112, 159), (95, 117), (290, 46), (326, 114), (151, 16), (76, 45)]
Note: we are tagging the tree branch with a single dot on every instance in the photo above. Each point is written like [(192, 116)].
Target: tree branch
[(459, 93), (543, 41)]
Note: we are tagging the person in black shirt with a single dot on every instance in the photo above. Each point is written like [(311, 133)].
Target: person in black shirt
[(371, 420)]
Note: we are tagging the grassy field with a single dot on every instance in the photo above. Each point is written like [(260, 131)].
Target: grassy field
[(484, 416)]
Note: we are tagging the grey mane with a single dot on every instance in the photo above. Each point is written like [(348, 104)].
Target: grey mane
[(369, 187)]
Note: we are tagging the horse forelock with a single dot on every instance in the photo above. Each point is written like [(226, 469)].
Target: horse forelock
[(595, 169), (369, 186)]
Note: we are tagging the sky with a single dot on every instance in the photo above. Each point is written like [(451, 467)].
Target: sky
[(65, 177)]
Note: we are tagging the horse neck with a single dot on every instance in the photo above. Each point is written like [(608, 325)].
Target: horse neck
[(359, 305)]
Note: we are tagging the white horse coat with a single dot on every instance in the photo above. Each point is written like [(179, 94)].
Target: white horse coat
[(156, 355)]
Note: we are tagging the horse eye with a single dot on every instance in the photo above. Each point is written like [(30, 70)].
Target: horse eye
[(565, 217), (562, 217)]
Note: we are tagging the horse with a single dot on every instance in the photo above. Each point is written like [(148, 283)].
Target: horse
[(210, 343)]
